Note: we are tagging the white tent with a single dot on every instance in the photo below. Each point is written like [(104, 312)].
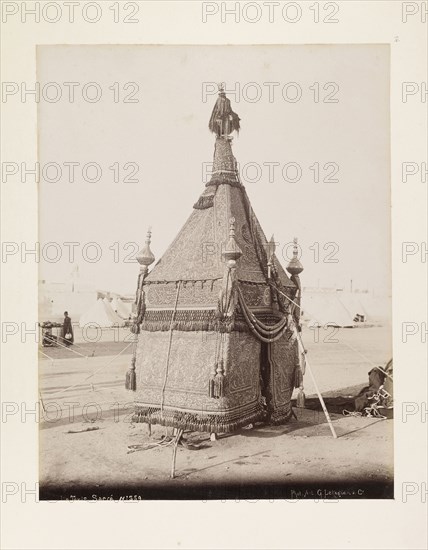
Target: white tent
[(353, 305), (378, 308), (101, 315), (55, 298), (325, 309), (121, 308)]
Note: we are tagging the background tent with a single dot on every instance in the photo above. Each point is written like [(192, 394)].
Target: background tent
[(325, 309), (342, 308), (55, 298), (122, 309), (353, 305), (100, 314), (378, 308)]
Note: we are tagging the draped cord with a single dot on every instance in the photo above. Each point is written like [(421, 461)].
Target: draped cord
[(261, 334)]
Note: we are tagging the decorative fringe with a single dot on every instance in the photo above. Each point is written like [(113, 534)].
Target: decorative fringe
[(224, 422), (197, 320), (281, 416), (204, 202), (184, 326), (224, 178)]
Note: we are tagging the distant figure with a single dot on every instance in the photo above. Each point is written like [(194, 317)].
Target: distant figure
[(67, 336)]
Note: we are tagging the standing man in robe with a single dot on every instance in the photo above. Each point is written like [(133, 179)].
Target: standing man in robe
[(67, 336)]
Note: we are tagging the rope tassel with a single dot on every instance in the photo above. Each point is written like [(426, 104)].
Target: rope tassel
[(216, 383), (131, 380), (131, 377), (216, 386), (300, 401), (298, 382)]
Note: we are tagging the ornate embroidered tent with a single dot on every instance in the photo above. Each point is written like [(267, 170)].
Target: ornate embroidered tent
[(216, 346)]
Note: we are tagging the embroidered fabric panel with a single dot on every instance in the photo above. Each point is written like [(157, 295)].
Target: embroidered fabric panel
[(256, 295), (193, 255), (192, 294), (180, 380), (249, 267), (284, 360)]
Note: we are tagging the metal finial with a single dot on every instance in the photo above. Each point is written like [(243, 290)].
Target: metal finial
[(232, 252), (295, 247), (149, 235), (295, 267), (146, 257), (270, 248)]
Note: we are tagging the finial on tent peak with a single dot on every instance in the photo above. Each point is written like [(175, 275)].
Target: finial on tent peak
[(146, 257), (223, 120), (271, 247), (295, 267)]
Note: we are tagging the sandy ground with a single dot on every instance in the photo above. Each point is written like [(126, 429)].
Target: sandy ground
[(81, 393)]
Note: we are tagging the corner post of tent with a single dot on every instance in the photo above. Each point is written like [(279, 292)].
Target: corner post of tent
[(145, 258), (295, 268)]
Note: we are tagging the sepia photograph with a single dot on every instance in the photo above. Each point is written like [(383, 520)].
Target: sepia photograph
[(213, 275), (215, 281)]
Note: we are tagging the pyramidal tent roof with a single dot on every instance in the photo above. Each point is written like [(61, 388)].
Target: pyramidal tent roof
[(101, 315), (196, 252)]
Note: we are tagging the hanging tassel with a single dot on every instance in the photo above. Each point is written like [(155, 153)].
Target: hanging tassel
[(300, 402), (135, 328), (218, 388), (131, 380), (216, 383), (131, 377)]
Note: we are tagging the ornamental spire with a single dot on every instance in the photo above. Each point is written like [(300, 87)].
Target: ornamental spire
[(295, 267), (232, 252), (145, 257), (223, 122)]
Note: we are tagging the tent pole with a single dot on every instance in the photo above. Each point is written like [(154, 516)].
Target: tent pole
[(324, 408), (300, 341), (179, 433)]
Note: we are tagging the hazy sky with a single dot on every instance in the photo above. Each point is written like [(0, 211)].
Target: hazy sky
[(166, 134)]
